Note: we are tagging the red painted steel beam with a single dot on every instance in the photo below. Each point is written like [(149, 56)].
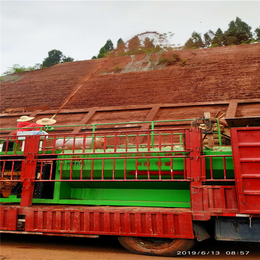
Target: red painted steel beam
[(119, 221), (29, 169), (195, 147)]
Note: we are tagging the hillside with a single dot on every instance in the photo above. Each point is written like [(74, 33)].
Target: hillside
[(209, 75)]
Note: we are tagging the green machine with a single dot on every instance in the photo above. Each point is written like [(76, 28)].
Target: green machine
[(124, 171)]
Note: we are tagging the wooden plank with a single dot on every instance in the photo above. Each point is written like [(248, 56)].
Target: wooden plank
[(231, 105), (150, 117), (85, 120), (133, 107), (232, 108)]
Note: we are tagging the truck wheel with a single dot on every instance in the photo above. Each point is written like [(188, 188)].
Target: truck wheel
[(156, 246)]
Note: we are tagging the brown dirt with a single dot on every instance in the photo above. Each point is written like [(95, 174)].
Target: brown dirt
[(139, 113), (48, 86), (28, 247), (214, 74)]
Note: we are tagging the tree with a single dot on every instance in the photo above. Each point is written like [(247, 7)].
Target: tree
[(218, 39), (67, 59), (105, 49), (208, 37), (120, 43), (55, 57), (197, 40), (109, 46), (257, 32), (237, 33), (194, 42), (102, 53), (189, 44), (148, 43), (134, 44)]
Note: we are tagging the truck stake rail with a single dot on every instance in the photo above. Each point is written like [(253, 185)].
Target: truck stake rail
[(155, 188)]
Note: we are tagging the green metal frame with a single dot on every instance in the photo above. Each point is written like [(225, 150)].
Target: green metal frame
[(161, 194)]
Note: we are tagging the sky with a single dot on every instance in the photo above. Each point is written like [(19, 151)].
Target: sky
[(30, 29)]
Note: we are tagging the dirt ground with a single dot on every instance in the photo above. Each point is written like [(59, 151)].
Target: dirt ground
[(28, 247), (212, 74)]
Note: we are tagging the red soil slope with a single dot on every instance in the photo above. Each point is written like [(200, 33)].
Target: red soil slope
[(214, 74)]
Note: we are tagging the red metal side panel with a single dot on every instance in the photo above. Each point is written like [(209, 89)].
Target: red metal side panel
[(123, 221), (246, 156), (217, 200), (220, 199), (8, 218)]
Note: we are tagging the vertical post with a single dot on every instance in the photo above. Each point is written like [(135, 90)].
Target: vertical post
[(181, 141), (219, 133), (93, 136), (210, 136), (195, 145), (152, 134), (148, 141), (29, 169)]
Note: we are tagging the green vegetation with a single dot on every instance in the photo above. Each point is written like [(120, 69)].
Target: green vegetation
[(105, 49), (175, 57), (194, 42), (55, 57), (238, 32), (183, 62), (257, 32), (136, 47), (133, 46), (117, 68), (120, 43), (167, 61), (163, 60), (16, 68)]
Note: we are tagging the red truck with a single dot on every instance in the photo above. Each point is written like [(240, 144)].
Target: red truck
[(159, 190)]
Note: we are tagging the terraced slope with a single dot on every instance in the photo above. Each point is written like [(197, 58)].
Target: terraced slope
[(214, 74)]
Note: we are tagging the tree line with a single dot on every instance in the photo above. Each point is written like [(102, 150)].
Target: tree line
[(238, 32), (54, 57)]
